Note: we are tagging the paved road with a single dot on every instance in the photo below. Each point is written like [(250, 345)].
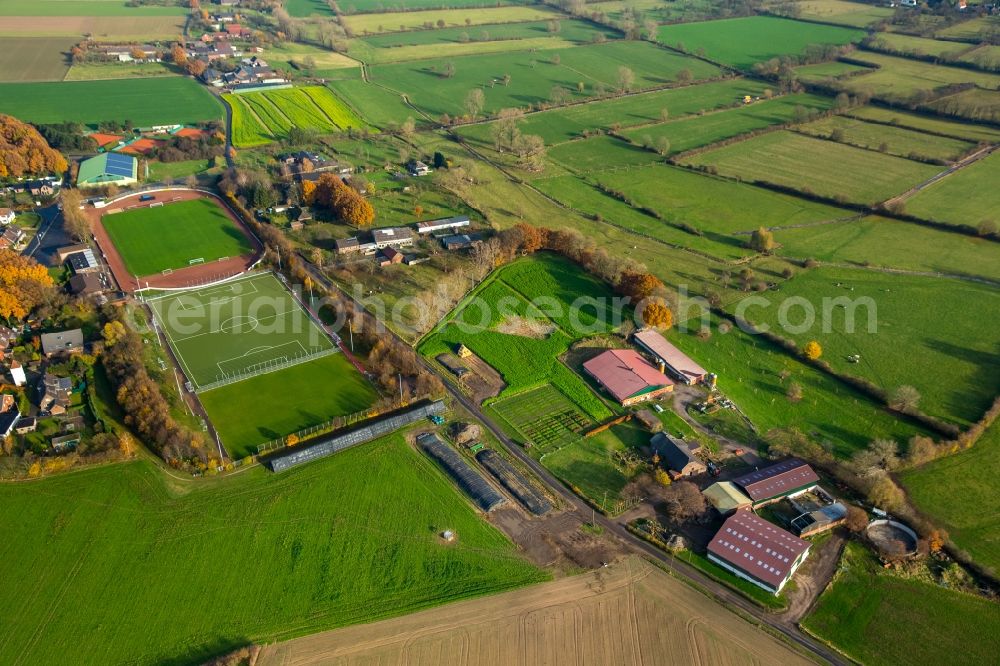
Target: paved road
[(51, 235), (716, 590)]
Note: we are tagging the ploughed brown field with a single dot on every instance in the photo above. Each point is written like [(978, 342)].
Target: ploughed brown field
[(630, 614)]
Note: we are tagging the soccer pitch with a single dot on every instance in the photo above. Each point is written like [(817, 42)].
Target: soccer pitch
[(155, 239), (238, 329)]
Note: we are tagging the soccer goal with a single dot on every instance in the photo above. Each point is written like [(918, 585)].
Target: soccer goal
[(199, 260)]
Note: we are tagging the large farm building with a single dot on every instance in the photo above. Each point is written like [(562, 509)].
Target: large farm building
[(628, 376), (757, 551), (108, 169)]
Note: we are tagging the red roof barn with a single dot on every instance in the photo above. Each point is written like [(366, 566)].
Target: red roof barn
[(628, 376), (782, 479), (757, 551)]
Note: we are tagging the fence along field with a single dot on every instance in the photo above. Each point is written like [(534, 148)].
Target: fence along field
[(279, 548), (261, 117), (238, 329)]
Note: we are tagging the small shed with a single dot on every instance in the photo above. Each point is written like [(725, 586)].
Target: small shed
[(463, 351), (726, 498)]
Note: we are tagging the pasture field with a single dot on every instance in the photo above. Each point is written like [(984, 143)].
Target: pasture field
[(959, 493), (525, 361), (741, 42), (384, 56), (908, 330), (827, 70), (328, 63), (268, 115), (986, 56), (291, 405), (103, 28), (896, 140), (688, 133), (382, 108), (899, 78), (824, 167), (373, 24), (880, 241), (968, 197), (661, 12), (583, 619), (583, 196), (243, 326), (102, 8), (375, 6), (152, 240), (715, 205), (34, 58), (854, 14), (570, 30), (975, 104), (117, 70), (600, 153), (971, 29), (304, 8), (927, 124), (877, 618), (563, 124), (91, 102), (533, 75), (920, 46), (161, 171), (750, 372), (272, 549)]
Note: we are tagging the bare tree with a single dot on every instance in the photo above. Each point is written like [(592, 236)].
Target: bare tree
[(505, 130), (626, 79), (76, 222), (474, 102), (905, 399), (683, 502)]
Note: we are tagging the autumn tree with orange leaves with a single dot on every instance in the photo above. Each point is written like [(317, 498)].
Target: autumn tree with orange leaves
[(23, 151), (24, 283), (658, 315), (331, 193)]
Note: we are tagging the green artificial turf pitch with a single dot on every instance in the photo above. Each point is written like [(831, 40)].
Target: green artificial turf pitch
[(152, 240), (238, 328)]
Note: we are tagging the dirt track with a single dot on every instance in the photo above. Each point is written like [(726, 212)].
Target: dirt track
[(182, 277), (630, 614)]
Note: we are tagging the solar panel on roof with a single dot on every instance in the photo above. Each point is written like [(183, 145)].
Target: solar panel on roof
[(118, 165)]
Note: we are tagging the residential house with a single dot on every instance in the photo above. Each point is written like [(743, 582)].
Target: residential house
[(55, 393), (787, 478), (677, 455), (86, 284), (26, 424), (389, 256), (17, 373), (238, 31), (62, 342), (6, 216), (40, 188), (675, 362), (444, 223), (757, 551), (212, 77), (10, 237), (347, 245), (83, 262), (64, 252), (418, 168), (9, 414), (628, 376)]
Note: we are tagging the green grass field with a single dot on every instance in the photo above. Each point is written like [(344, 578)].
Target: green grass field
[(304, 8), (151, 240), (878, 241), (261, 117), (971, 29), (750, 372), (242, 326), (382, 108), (824, 167), (966, 131), (896, 140), (364, 24), (853, 14), (741, 42), (287, 404), (715, 205), (121, 564), (54, 8), (974, 104), (959, 494), (966, 197), (527, 362), (90, 102), (598, 154), (899, 78), (533, 75), (688, 133), (878, 618), (919, 46), (923, 335), (827, 70)]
